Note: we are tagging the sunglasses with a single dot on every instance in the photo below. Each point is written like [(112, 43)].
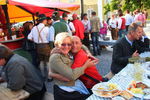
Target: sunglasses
[(66, 44)]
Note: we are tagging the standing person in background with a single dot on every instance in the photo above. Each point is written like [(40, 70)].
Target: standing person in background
[(103, 30), (56, 27), (40, 34), (139, 17), (95, 28), (49, 24), (28, 44), (49, 21), (121, 24), (146, 16), (65, 20), (79, 27), (87, 28), (129, 19), (113, 27), (71, 26), (144, 19)]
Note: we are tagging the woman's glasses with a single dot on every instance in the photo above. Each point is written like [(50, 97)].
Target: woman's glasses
[(66, 44)]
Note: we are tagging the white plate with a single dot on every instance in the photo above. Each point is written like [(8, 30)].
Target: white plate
[(97, 91), (139, 95), (118, 98)]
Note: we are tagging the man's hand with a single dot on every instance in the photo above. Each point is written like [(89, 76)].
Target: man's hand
[(92, 57), (90, 63), (135, 54)]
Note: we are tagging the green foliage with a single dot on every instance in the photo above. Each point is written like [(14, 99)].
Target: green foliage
[(127, 4), (114, 5), (107, 8)]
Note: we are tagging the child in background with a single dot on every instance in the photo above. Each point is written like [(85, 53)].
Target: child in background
[(103, 30)]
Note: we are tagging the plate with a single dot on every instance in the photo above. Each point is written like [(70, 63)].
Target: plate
[(146, 66), (138, 94), (118, 98), (106, 89)]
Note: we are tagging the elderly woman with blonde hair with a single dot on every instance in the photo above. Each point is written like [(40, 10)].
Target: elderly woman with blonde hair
[(60, 63)]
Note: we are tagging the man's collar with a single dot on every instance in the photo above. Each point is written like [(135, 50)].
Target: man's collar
[(129, 41)]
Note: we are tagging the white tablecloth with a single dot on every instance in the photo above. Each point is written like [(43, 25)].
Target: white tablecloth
[(122, 79)]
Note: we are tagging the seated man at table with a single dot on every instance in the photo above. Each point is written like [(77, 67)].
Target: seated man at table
[(126, 48), (21, 74)]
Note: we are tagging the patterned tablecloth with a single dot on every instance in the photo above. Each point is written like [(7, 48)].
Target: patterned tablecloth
[(122, 79)]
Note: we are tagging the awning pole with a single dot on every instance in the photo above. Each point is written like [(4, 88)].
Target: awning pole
[(82, 8), (33, 19), (5, 8)]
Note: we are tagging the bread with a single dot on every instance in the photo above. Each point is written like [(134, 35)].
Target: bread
[(126, 95)]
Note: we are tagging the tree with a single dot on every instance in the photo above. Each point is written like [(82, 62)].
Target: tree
[(127, 4)]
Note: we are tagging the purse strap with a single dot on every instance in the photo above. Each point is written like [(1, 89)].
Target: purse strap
[(91, 78), (39, 34)]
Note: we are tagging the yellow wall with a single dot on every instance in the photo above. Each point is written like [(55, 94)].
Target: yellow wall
[(87, 5)]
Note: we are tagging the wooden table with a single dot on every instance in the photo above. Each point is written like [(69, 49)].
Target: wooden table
[(7, 94)]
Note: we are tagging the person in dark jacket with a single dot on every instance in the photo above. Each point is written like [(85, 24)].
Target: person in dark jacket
[(21, 74), (27, 44), (126, 48)]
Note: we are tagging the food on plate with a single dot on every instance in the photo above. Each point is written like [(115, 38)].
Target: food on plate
[(110, 93), (126, 95), (112, 86), (137, 87), (141, 85), (114, 91), (106, 89), (137, 90)]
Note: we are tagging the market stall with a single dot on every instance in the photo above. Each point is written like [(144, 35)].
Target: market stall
[(24, 10)]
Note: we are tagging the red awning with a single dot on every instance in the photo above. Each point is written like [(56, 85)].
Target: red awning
[(22, 10), (45, 4)]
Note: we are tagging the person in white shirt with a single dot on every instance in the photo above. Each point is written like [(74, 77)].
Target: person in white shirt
[(129, 19), (87, 28), (112, 27), (71, 26), (40, 34)]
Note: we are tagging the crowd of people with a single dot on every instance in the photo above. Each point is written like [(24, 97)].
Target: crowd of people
[(60, 51), (118, 25)]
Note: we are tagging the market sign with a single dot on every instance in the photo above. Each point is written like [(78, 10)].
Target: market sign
[(2, 2)]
